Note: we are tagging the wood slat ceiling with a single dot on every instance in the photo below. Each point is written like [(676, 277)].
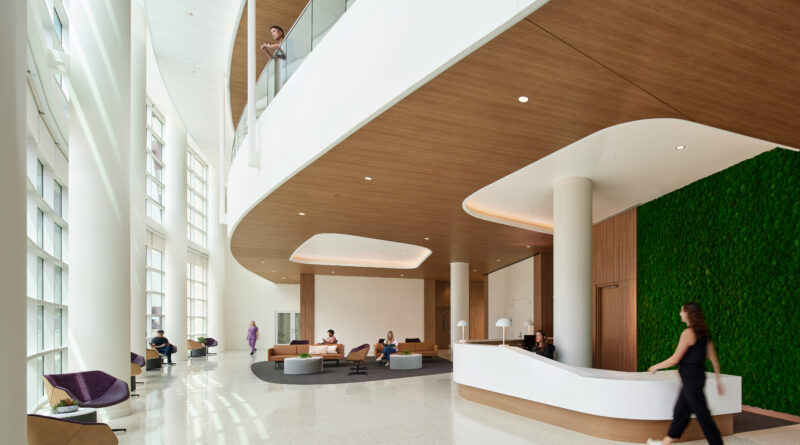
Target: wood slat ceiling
[(585, 66), (268, 12)]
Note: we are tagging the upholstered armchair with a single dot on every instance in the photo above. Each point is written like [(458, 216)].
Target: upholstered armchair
[(43, 430), (357, 356), (152, 359), (195, 348), (137, 363), (91, 389), (210, 343)]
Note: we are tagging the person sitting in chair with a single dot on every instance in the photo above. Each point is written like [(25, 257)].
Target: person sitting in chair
[(541, 347), (162, 345), (389, 347), (331, 340)]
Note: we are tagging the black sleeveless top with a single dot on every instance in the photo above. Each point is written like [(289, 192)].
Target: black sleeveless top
[(696, 354)]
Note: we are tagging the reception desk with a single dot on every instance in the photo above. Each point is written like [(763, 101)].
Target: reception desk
[(625, 406)]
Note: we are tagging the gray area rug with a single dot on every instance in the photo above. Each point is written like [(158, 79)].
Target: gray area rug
[(746, 421), (338, 374)]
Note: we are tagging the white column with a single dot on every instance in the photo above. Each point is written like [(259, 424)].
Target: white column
[(572, 270), (12, 222), (137, 167), (251, 85), (176, 239), (99, 179), (459, 299), (217, 236)]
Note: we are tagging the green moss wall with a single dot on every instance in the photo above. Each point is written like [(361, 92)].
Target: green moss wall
[(730, 242)]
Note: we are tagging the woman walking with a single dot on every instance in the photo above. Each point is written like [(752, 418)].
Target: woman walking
[(252, 336), (694, 347)]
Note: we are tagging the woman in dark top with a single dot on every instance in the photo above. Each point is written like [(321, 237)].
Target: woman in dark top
[(541, 347), (694, 347)]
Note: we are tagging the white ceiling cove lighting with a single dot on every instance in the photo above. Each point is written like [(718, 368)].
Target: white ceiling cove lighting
[(523, 99), (336, 249)]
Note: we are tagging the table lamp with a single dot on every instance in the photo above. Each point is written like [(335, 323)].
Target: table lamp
[(528, 324), (463, 324), (503, 323)]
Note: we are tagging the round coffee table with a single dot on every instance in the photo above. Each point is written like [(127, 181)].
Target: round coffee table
[(82, 415), (410, 361), (297, 365)]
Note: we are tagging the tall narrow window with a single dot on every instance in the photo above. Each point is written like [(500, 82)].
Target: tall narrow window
[(57, 241), (40, 227), (197, 301), (58, 288), (40, 278), (39, 177), (40, 327), (57, 203), (155, 165), (58, 28), (155, 290), (196, 174), (57, 328)]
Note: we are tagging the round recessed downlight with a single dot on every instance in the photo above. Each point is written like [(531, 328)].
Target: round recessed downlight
[(527, 247), (523, 99), (301, 213), (368, 178), (426, 238), (680, 147)]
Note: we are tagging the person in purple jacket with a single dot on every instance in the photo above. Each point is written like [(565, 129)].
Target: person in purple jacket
[(252, 336)]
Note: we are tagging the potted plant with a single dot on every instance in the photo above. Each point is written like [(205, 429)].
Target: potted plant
[(405, 353), (201, 340), (65, 406), (304, 355)]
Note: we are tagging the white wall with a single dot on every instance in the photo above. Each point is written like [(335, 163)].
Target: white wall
[(362, 309), (385, 60), (250, 297), (511, 296)]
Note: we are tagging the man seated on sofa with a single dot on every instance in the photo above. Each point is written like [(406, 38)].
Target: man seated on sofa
[(162, 345)]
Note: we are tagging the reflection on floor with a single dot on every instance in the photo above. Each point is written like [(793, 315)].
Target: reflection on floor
[(217, 400)]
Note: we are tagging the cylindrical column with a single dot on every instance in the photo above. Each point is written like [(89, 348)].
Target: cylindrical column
[(138, 159), (176, 239), (251, 84), (217, 235), (572, 270), (12, 221), (99, 139), (459, 299)]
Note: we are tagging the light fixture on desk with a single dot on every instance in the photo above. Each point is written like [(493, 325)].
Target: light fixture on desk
[(503, 323), (529, 325), (463, 324)]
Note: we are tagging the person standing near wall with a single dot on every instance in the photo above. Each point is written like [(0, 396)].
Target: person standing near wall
[(252, 336), (694, 347)]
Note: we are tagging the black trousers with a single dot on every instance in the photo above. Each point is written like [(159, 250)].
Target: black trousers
[(693, 400)]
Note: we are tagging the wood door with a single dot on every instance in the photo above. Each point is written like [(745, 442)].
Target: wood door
[(443, 327), (611, 327)]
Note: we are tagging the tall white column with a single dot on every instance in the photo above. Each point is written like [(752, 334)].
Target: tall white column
[(459, 299), (99, 139), (217, 236), (138, 159), (12, 222), (251, 84), (572, 270), (176, 239)]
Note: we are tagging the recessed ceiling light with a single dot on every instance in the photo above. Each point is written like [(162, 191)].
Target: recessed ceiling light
[(333, 271), (680, 147), (474, 270), (190, 13), (523, 99), (527, 247), (273, 270), (402, 275), (263, 262), (426, 238), (368, 178), (283, 278), (301, 213), (498, 260)]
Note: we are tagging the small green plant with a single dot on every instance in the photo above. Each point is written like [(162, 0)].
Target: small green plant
[(201, 340), (304, 355), (64, 402), (405, 353)]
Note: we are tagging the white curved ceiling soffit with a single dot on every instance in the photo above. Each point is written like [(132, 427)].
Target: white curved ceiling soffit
[(629, 164), (192, 42), (335, 249)]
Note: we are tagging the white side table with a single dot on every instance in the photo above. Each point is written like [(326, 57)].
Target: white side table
[(82, 415), (410, 361), (297, 365)]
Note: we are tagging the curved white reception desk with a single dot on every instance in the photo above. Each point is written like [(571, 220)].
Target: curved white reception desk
[(628, 406)]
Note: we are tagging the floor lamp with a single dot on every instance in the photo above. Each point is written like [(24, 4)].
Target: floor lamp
[(503, 323)]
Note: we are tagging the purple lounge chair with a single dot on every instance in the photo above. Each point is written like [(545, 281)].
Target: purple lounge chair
[(138, 359), (357, 356), (210, 343), (137, 363), (91, 389)]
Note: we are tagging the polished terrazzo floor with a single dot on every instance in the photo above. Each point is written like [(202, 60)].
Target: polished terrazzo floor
[(217, 400)]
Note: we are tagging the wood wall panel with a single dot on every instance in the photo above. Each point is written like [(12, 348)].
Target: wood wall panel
[(478, 310), (614, 264), (543, 292), (307, 307), (430, 311)]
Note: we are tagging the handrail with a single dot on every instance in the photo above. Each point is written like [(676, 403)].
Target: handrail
[(305, 34)]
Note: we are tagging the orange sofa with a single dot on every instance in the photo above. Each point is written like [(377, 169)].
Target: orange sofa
[(426, 348), (279, 352)]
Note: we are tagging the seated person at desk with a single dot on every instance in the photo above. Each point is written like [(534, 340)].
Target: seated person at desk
[(389, 347), (162, 345), (330, 340), (541, 347)]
